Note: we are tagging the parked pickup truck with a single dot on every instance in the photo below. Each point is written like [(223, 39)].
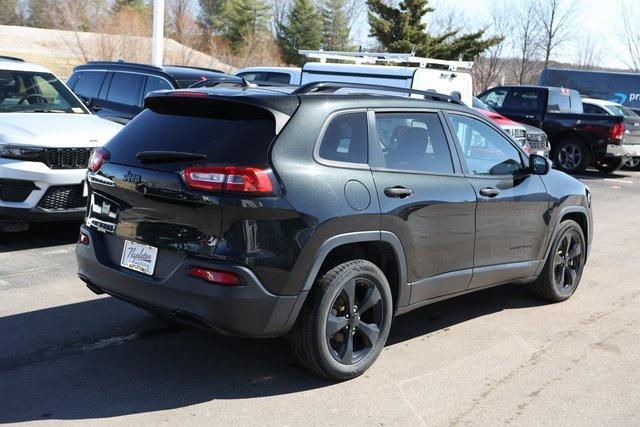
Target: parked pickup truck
[(577, 139)]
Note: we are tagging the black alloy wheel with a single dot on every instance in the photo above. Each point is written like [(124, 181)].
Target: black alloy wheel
[(354, 321)]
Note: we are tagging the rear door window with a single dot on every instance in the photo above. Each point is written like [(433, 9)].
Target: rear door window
[(227, 133), (345, 139), (88, 83), (524, 99), (125, 88)]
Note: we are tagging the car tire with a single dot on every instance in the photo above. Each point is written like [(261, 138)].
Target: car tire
[(571, 156), (633, 164), (335, 338), (562, 271), (610, 165)]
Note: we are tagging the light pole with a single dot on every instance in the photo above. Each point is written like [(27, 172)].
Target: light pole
[(157, 42)]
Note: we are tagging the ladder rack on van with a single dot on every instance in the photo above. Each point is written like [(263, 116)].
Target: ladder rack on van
[(388, 58)]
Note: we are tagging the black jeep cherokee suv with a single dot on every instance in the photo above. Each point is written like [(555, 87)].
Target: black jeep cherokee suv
[(321, 215)]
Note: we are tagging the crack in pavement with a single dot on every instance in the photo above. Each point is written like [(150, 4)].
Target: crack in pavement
[(534, 359)]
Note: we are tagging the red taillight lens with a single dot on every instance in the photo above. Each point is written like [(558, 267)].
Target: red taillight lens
[(187, 94), (215, 276), (618, 131), (98, 156), (229, 178)]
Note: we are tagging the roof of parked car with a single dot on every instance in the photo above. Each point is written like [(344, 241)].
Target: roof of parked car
[(595, 101), (175, 72), (16, 64)]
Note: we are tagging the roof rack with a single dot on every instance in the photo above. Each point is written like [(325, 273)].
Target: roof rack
[(11, 58), (385, 57), (332, 87), (121, 62)]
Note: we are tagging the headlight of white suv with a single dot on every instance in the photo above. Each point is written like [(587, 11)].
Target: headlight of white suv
[(19, 152)]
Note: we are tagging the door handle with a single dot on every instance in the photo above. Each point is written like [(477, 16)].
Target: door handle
[(398, 191), (529, 116), (489, 192)]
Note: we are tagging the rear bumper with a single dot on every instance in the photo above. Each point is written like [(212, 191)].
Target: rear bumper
[(245, 310), (625, 150)]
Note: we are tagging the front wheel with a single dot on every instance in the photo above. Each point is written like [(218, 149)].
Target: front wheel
[(345, 322), (571, 156), (562, 271)]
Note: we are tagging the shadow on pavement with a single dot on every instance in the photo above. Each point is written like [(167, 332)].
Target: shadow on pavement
[(104, 358), (40, 235)]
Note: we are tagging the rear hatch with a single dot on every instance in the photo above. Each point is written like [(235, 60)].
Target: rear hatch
[(140, 193)]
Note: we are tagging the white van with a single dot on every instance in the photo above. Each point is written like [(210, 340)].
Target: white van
[(448, 80)]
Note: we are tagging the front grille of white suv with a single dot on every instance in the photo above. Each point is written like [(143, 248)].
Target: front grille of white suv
[(67, 158)]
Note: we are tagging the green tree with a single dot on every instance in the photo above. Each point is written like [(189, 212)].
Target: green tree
[(302, 29), (138, 5), (402, 29), (208, 16), (335, 25), (244, 18)]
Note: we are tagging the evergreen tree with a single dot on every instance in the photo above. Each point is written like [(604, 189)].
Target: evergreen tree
[(335, 31), (402, 29), (302, 29), (129, 4), (245, 18), (208, 17)]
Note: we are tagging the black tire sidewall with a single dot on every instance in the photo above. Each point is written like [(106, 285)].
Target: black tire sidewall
[(376, 276), (565, 226)]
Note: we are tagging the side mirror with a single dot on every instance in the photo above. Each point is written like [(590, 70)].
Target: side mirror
[(538, 165)]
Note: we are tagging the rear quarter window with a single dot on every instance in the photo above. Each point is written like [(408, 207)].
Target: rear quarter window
[(345, 139)]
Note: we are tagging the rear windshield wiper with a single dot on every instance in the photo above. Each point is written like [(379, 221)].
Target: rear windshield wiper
[(168, 156)]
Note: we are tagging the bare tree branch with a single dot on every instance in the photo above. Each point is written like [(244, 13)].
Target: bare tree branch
[(556, 19)]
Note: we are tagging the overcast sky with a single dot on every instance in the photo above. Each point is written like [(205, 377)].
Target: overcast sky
[(599, 17)]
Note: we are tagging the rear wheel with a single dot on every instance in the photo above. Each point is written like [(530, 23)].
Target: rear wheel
[(571, 156), (345, 321), (633, 163), (562, 272), (610, 165)]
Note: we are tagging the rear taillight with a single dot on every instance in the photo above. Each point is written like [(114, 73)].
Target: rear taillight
[(215, 276), (229, 178), (97, 158), (617, 132)]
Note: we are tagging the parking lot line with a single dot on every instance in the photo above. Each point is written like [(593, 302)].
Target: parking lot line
[(618, 180)]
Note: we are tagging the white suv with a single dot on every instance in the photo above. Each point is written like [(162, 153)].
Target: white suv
[(46, 137)]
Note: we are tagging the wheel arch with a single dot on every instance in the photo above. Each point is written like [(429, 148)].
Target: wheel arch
[(580, 215), (383, 248)]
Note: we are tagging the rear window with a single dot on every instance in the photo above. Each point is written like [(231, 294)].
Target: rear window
[(564, 101), (226, 132)]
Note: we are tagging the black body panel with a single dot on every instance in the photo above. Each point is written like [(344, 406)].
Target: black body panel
[(441, 239)]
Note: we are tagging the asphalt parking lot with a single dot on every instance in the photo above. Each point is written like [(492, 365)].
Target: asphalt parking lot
[(494, 357)]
